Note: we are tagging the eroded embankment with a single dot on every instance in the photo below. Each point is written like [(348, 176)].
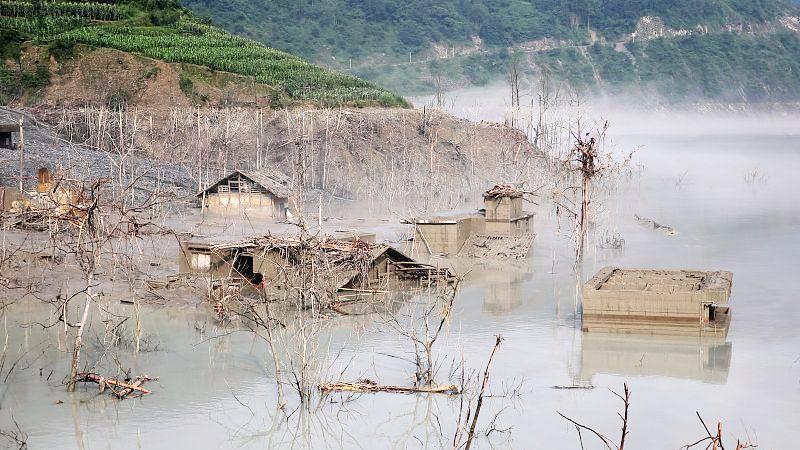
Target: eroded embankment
[(395, 158)]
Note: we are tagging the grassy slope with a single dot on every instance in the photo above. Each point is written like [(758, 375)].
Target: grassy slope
[(163, 30)]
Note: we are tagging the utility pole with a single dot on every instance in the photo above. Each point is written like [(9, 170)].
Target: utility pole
[(21, 146)]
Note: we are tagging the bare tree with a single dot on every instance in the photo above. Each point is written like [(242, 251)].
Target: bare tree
[(585, 156), (514, 73), (480, 399), (608, 442), (583, 169), (16, 438), (715, 441), (422, 323)]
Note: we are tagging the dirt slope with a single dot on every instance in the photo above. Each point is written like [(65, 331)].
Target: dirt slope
[(110, 77)]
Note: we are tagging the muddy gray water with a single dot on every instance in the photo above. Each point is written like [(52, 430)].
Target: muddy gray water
[(726, 219)]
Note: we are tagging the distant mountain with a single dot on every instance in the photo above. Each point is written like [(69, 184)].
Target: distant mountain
[(592, 44)]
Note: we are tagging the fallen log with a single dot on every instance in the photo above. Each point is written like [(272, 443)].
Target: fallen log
[(363, 291), (367, 385), (135, 386), (125, 388)]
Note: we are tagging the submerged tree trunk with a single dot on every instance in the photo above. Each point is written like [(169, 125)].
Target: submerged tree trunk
[(76, 351), (583, 220), (275, 360)]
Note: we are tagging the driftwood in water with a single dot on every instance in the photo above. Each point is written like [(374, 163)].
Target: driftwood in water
[(652, 224), (367, 385), (120, 389)]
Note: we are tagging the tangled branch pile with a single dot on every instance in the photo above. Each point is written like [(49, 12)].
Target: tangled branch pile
[(505, 190), (317, 254), (367, 385), (120, 389)]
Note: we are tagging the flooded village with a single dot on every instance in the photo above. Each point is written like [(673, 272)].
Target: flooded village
[(209, 243), (328, 303)]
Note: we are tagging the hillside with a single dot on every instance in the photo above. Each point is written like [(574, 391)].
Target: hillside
[(37, 37), (592, 44)]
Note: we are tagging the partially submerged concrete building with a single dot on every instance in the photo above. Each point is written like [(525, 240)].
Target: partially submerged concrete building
[(503, 218), (445, 235), (257, 194), (657, 301), (504, 214)]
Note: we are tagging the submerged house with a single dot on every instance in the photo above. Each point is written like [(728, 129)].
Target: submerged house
[(277, 263), (503, 218), (260, 194), (657, 301), (7, 132)]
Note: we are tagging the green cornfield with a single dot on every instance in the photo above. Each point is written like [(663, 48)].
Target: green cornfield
[(92, 11), (190, 42)]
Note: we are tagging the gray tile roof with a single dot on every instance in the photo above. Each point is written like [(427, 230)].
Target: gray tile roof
[(272, 180)]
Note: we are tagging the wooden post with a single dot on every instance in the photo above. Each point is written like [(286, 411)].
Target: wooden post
[(21, 146), (319, 219), (258, 140)]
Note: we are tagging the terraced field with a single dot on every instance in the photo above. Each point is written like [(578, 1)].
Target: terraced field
[(173, 34)]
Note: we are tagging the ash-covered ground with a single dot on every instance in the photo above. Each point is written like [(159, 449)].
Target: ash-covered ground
[(46, 149)]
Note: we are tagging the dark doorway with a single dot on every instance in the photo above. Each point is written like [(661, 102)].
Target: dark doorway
[(244, 265)]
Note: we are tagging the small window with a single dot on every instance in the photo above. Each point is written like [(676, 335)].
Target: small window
[(201, 261)]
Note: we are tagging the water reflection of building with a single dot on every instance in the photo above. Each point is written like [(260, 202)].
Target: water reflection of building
[(502, 289), (707, 359)]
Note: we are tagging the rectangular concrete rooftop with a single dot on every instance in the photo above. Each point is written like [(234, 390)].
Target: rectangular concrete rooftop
[(629, 299)]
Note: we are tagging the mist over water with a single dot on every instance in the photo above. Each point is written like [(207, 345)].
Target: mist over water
[(727, 184)]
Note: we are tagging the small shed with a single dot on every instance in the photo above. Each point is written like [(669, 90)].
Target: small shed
[(7, 131), (257, 193)]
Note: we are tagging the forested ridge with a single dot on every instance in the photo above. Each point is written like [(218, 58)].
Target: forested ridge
[(361, 27), (390, 41)]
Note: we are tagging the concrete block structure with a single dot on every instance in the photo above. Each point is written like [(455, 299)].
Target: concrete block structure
[(441, 235), (262, 194), (504, 213), (503, 218), (657, 301)]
